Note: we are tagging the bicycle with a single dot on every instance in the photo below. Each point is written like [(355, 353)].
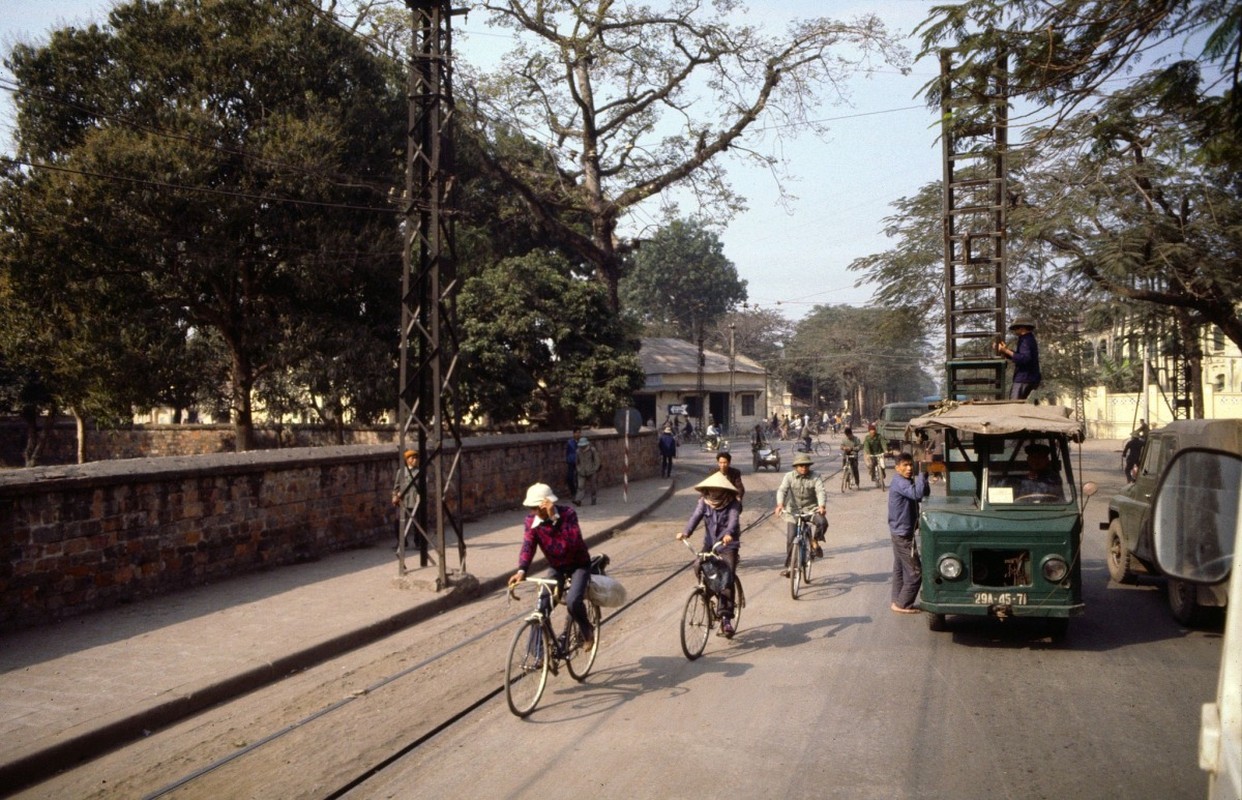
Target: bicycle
[(877, 471), (526, 672), (849, 461), (803, 553), (700, 614)]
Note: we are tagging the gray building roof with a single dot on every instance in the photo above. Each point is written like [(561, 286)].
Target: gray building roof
[(679, 357)]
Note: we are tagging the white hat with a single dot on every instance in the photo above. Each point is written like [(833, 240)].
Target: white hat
[(583, 442), (716, 481), (537, 493)]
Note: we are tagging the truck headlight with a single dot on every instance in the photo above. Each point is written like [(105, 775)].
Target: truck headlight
[(1055, 569), (949, 567)]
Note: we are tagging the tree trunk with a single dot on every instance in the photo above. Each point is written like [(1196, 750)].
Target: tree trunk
[(34, 437), (243, 419), (79, 425)]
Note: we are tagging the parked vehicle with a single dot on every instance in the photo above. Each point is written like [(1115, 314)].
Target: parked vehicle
[(1004, 539), (1196, 512), (891, 426), (1128, 530)]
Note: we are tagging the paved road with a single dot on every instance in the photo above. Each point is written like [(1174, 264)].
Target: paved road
[(829, 696)]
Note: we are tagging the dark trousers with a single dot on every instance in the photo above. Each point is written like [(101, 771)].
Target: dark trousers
[(818, 526), (666, 466), (571, 478), (1021, 391), (907, 572), (575, 598)]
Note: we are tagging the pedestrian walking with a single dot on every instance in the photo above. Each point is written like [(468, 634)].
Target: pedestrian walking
[(904, 496), (668, 451), (1131, 454), (588, 469), (571, 463)]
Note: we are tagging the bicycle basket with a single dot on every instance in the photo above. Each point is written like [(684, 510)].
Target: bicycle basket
[(716, 576)]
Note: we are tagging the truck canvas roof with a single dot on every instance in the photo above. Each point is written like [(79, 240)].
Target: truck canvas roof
[(1001, 418)]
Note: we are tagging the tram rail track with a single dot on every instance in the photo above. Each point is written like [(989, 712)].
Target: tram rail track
[(393, 755)]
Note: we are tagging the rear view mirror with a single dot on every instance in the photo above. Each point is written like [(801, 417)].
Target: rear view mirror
[(1195, 514)]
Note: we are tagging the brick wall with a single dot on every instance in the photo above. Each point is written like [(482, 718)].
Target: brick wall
[(152, 441), (79, 537)]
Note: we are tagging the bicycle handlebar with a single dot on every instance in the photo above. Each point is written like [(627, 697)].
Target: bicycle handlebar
[(706, 555), (550, 582)]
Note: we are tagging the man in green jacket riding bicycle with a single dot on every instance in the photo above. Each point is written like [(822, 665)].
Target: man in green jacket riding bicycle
[(802, 490)]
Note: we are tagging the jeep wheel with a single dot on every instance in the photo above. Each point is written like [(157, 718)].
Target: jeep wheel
[(937, 622), (1118, 554), (1183, 602)]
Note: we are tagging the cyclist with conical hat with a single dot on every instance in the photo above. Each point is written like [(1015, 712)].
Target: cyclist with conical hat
[(720, 512)]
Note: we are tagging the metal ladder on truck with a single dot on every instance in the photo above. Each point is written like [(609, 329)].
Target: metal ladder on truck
[(974, 123)]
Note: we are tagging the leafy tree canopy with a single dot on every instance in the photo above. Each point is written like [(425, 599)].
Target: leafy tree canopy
[(681, 282), (562, 357), (231, 161), (632, 100)]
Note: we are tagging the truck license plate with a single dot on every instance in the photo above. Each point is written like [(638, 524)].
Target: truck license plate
[(1000, 598)]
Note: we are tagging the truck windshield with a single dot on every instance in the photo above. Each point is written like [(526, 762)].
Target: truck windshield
[(1027, 470)]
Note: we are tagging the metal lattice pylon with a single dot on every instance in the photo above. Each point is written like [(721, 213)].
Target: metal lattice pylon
[(429, 345)]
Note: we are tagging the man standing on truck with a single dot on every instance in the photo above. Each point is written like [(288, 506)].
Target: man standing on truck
[(904, 496), (1025, 358)]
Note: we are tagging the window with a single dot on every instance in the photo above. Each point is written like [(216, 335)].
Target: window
[(748, 405)]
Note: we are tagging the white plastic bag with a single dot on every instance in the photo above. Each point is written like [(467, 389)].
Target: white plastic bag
[(605, 591)]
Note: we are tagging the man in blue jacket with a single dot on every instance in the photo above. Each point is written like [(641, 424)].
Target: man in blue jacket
[(1025, 358), (904, 496)]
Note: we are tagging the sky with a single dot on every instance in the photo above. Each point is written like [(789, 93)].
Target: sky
[(882, 146)]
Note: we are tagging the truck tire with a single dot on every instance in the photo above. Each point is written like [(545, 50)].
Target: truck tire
[(1184, 602), (1118, 554)]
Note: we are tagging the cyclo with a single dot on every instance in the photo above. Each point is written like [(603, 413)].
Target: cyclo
[(1004, 539)]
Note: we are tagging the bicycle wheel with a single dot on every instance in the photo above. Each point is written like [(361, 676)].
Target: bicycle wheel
[(696, 624), (795, 566), (526, 674), (578, 658), (879, 476), (810, 558), (845, 477), (739, 602)]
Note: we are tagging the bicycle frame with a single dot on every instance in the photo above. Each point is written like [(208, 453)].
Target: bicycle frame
[(537, 649)]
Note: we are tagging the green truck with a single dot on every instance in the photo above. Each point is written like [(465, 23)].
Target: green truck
[(1003, 540)]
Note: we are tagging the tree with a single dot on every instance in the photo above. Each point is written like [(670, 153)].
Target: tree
[(863, 357), (539, 343), (234, 158), (681, 282), (1065, 54), (630, 101)]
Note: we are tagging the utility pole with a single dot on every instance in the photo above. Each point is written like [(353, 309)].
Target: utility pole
[(429, 287), (732, 367)]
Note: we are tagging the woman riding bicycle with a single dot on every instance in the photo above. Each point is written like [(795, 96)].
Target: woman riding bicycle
[(554, 529), (802, 490), (720, 512)]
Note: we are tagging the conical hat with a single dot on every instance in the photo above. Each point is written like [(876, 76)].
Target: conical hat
[(716, 481)]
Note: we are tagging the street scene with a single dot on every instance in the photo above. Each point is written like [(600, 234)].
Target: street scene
[(829, 695), (512, 398)]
